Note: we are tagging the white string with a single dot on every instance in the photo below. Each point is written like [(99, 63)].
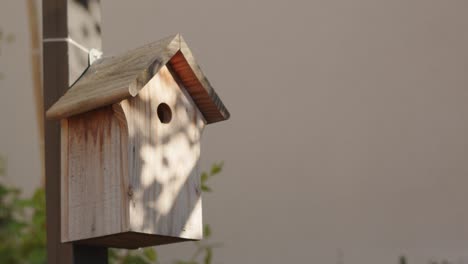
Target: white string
[(69, 40)]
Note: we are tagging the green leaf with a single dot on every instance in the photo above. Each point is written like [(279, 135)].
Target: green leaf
[(216, 168), (24, 203), (205, 188), (208, 256), (3, 191), (134, 259), (113, 254), (2, 160), (150, 254), (15, 226), (39, 219), (204, 177), (23, 235), (37, 256), (186, 262), (207, 231)]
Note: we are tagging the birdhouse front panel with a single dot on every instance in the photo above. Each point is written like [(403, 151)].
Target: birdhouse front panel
[(164, 128)]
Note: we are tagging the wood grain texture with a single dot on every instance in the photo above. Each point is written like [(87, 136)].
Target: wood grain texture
[(94, 176), (197, 85), (164, 171), (64, 181), (110, 80)]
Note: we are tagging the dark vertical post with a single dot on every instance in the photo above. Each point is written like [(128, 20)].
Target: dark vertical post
[(63, 58)]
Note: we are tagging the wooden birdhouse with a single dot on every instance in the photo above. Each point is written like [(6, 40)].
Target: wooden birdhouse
[(130, 145)]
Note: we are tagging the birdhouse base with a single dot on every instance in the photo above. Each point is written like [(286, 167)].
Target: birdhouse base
[(131, 240)]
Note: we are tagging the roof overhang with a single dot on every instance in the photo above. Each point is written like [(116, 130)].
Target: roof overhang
[(112, 79)]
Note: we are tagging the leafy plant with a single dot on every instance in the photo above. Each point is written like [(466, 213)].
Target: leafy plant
[(138, 256), (22, 225), (23, 230), (402, 260), (205, 176), (203, 250)]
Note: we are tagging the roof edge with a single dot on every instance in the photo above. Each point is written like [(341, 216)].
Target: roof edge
[(111, 79), (197, 85), (100, 85)]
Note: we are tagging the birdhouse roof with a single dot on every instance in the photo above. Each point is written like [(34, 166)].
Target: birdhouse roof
[(109, 80)]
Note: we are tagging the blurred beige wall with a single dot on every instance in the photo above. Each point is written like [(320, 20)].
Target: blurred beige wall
[(348, 141), (18, 130)]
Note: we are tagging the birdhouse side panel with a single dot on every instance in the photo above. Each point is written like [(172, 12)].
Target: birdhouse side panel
[(94, 175), (165, 129)]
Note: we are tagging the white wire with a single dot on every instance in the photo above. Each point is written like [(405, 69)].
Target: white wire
[(69, 40)]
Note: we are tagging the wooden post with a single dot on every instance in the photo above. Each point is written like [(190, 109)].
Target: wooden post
[(65, 57)]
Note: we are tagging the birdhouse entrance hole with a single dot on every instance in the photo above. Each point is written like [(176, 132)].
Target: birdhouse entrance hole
[(164, 113)]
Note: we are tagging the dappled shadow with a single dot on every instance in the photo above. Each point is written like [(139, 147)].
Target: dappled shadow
[(164, 177)]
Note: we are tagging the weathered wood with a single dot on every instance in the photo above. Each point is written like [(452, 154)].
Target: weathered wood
[(64, 181), (129, 179), (93, 176), (164, 169), (197, 84), (131, 240), (110, 80)]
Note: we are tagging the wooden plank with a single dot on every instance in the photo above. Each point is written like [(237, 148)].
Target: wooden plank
[(93, 182), (111, 79), (120, 117), (198, 86), (131, 240), (163, 160), (64, 180)]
